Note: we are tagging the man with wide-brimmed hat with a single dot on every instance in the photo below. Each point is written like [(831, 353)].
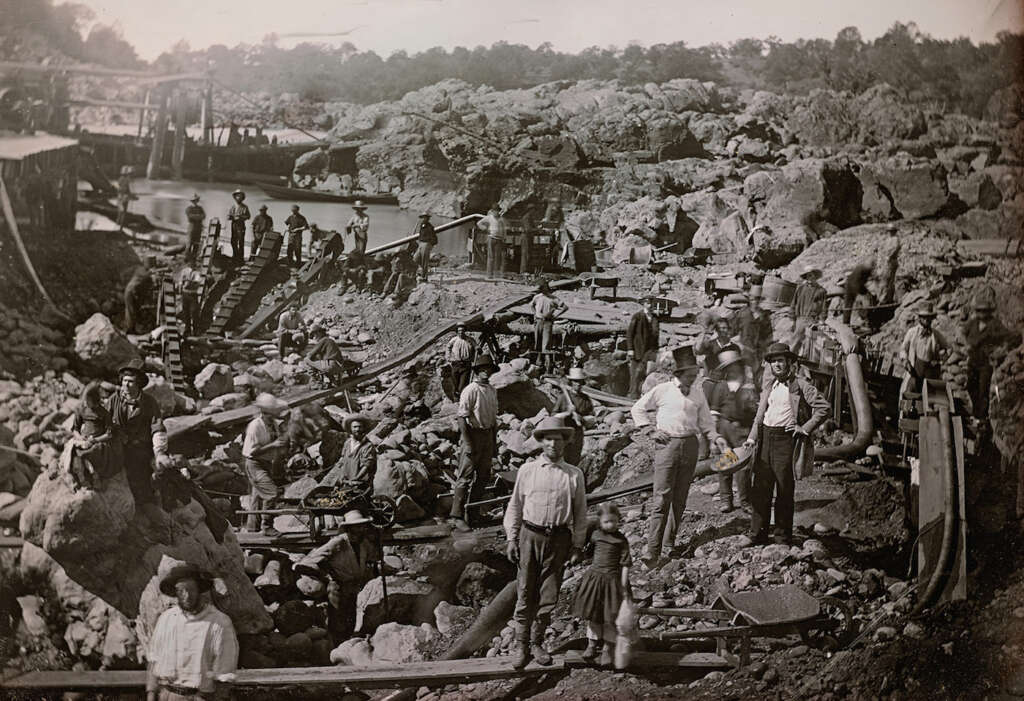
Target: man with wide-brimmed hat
[(733, 403), (983, 334), (137, 418), (752, 325), (426, 239), (263, 447), (810, 302), (358, 462), (681, 415), (195, 215), (922, 351), (789, 411), (262, 224), (295, 224), (713, 341), (478, 427), (546, 522), (359, 228), (572, 405), (193, 647), (238, 215), (643, 338), (459, 356), (546, 308)]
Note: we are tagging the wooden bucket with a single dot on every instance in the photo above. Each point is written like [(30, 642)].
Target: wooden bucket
[(777, 291)]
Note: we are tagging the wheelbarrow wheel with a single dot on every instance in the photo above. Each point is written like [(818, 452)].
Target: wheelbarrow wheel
[(840, 631), (382, 511)]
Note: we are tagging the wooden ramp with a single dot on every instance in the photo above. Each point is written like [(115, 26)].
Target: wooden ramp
[(307, 274), (382, 676), (241, 286)]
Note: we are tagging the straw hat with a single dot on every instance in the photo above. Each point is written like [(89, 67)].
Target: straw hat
[(270, 404), (236, 193), (553, 424), (358, 204), (134, 367), (810, 270), (185, 571), (195, 197), (355, 517), (730, 355), (367, 422), (927, 309), (576, 375)]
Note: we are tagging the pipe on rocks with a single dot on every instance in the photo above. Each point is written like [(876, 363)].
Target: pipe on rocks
[(942, 567), (861, 409), (491, 620)]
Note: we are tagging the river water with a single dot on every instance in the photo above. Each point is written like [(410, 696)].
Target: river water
[(166, 200)]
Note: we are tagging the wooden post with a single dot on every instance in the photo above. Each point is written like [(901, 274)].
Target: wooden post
[(207, 115), (178, 152), (142, 116), (159, 134)]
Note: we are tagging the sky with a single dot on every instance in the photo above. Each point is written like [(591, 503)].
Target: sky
[(385, 26)]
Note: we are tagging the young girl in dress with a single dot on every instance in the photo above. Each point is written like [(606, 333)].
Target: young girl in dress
[(604, 585)]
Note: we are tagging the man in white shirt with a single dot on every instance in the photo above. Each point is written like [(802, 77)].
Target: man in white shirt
[(291, 331), (478, 426), (494, 225), (791, 408), (262, 446), (682, 414), (194, 645), (921, 352), (545, 309), (546, 525), (459, 355)]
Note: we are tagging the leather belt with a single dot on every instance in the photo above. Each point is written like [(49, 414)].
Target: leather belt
[(545, 530)]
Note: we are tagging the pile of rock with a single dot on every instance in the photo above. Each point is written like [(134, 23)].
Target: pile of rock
[(31, 343)]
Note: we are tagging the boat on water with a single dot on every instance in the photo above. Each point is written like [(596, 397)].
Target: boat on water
[(294, 194)]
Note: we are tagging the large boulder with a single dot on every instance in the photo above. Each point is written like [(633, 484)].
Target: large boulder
[(100, 345), (214, 380), (119, 552), (355, 651), (397, 644), (903, 187), (453, 619), (396, 476), (408, 601), (812, 192), (518, 394)]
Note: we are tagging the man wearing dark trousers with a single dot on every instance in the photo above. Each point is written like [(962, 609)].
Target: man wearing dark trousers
[(478, 424), (238, 215), (682, 414), (733, 402), (642, 343), (791, 408), (546, 525)]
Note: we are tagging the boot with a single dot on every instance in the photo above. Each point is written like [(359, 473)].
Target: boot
[(537, 650), (593, 647), (726, 506), (521, 655), (457, 515)]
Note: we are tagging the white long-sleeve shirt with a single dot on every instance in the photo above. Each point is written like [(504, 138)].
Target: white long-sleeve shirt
[(677, 414), (192, 650), (548, 494)]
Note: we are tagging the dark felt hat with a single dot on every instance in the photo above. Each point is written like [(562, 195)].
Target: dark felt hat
[(134, 367), (185, 571), (684, 359), (777, 349)]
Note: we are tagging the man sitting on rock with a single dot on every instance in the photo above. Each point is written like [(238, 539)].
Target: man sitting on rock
[(478, 426), (291, 331), (791, 408), (546, 521), (358, 462), (263, 447), (326, 357), (194, 645)]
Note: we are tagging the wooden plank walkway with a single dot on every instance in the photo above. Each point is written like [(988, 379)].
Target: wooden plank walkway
[(241, 286), (378, 676)]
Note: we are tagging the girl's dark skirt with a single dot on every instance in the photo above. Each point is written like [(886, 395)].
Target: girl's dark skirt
[(599, 596)]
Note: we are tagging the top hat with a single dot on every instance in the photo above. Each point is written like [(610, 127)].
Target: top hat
[(776, 349), (358, 204), (271, 404), (576, 374), (684, 359), (236, 193), (730, 355), (185, 571), (927, 309), (553, 424), (134, 367), (484, 361), (195, 197)]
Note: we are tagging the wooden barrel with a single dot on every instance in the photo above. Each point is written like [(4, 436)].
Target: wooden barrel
[(778, 290), (583, 255)]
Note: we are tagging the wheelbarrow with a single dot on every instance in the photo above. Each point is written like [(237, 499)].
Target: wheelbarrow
[(824, 622), (338, 500)]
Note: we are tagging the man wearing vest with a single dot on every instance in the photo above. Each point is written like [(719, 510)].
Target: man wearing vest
[(791, 408), (642, 343)]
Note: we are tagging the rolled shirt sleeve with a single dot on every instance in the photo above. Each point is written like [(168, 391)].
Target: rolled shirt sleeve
[(513, 520), (643, 406)]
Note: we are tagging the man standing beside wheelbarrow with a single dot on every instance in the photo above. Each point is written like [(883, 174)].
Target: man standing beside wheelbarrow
[(546, 525), (478, 424), (791, 408), (263, 444)]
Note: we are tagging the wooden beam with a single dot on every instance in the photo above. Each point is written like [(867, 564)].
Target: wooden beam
[(144, 76), (119, 104)]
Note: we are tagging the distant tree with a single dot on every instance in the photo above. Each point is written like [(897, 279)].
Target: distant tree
[(106, 46)]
